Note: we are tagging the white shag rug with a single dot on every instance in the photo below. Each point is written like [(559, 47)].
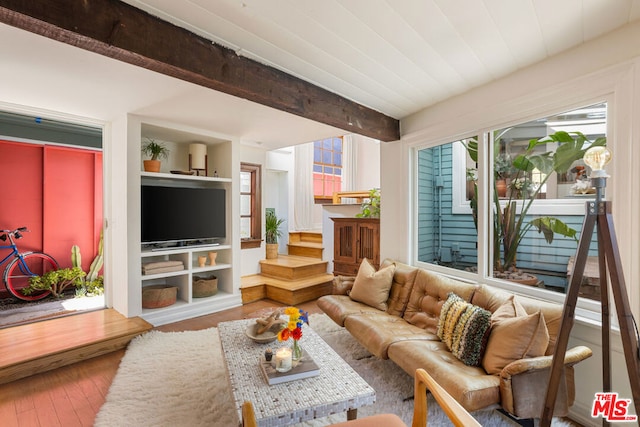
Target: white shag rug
[(179, 379)]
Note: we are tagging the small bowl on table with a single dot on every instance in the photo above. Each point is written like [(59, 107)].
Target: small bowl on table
[(267, 336)]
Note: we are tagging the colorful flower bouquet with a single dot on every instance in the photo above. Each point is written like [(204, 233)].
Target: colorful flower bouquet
[(293, 329)]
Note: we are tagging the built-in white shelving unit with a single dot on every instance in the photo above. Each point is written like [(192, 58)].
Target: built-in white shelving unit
[(220, 161)]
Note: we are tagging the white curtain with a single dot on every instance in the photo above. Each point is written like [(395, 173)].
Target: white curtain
[(303, 187), (349, 165)]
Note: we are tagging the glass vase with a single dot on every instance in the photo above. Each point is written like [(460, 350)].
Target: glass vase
[(296, 352)]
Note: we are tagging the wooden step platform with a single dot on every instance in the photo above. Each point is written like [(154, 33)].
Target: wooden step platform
[(288, 267), (50, 344), (288, 279), (305, 243), (305, 236)]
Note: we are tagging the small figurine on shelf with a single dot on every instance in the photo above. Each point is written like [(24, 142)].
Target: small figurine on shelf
[(215, 173)]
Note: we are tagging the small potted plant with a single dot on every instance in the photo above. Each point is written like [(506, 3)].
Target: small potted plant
[(272, 232), (155, 150)]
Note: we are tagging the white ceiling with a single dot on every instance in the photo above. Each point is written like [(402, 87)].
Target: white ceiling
[(396, 57), (399, 56)]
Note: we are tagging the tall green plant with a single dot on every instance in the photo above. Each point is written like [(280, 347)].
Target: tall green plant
[(510, 222), (272, 228)]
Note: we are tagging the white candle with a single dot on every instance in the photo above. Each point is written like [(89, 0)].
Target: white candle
[(283, 359)]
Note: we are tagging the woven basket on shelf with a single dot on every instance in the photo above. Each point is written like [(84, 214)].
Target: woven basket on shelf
[(203, 287), (157, 296)]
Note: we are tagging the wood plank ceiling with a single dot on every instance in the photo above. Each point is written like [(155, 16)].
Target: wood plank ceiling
[(397, 57), (359, 65)]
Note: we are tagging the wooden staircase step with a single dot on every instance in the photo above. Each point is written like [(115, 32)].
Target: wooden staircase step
[(305, 236), (34, 348), (258, 286), (305, 249), (290, 267)]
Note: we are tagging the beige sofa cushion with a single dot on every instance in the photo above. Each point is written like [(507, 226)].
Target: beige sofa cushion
[(492, 298), (469, 385), (372, 287), (377, 331), (514, 335), (339, 307), (428, 294), (403, 280)]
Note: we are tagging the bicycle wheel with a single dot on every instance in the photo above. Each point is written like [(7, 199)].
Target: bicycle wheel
[(18, 272)]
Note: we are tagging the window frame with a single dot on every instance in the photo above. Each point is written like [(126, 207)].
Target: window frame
[(255, 170), (587, 308), (327, 199)]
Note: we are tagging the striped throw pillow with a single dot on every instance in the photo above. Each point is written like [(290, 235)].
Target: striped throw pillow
[(464, 328)]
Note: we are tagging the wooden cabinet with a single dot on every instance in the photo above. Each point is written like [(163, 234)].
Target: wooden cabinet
[(353, 240)]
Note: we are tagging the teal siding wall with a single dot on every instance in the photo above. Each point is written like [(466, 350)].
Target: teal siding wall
[(435, 206), (440, 231)]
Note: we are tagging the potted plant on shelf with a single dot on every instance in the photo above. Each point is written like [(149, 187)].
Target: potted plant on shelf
[(272, 232), (155, 150), (510, 222)]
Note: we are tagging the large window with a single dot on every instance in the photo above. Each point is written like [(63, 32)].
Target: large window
[(532, 190), (250, 196), (327, 168)]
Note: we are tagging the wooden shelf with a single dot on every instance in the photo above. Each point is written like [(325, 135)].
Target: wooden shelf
[(172, 176)]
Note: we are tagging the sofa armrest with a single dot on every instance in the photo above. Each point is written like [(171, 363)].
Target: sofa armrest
[(571, 357), (522, 380), (342, 285)]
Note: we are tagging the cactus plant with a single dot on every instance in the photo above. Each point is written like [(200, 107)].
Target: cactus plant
[(97, 262), (76, 258)]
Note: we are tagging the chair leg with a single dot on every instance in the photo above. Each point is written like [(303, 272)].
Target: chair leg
[(524, 422)]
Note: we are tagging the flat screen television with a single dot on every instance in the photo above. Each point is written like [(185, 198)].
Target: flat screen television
[(182, 214)]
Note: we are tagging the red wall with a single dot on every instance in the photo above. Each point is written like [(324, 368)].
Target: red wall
[(56, 192)]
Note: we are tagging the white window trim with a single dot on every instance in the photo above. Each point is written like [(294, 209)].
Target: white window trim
[(605, 88)]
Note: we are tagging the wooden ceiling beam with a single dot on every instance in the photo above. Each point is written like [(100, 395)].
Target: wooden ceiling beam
[(120, 31)]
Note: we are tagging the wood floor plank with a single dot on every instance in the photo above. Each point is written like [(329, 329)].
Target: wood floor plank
[(8, 413), (46, 412), (28, 419)]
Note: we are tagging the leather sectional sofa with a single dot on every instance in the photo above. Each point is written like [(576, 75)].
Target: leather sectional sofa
[(404, 321)]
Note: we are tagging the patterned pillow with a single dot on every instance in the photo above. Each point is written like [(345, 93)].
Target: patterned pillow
[(464, 328)]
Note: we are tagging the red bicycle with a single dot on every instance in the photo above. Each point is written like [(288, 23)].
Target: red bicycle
[(23, 266)]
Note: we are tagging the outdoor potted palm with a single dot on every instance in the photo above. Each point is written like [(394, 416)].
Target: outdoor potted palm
[(510, 216), (272, 232)]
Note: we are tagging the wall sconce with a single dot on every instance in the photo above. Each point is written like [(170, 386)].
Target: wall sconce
[(198, 158)]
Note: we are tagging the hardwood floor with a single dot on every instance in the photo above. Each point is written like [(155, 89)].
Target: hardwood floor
[(72, 395)]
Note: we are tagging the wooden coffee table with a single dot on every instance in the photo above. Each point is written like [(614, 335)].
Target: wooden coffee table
[(337, 389)]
